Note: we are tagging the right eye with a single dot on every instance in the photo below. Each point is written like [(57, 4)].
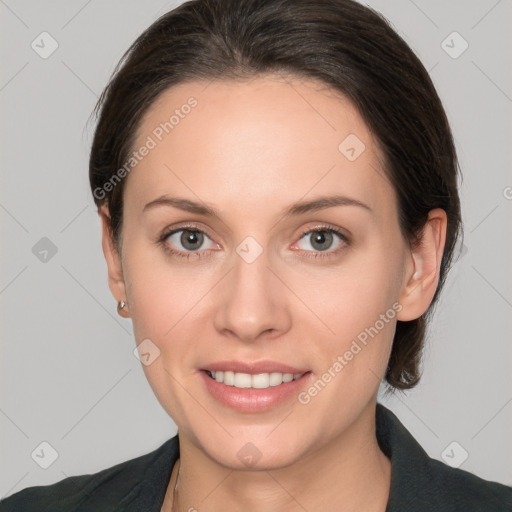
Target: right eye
[(190, 238)]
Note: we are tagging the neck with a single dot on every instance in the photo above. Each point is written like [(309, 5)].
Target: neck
[(349, 474)]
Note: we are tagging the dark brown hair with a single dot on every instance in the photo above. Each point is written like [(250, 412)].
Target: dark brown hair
[(342, 43)]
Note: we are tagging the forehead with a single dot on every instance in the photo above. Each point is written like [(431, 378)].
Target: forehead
[(268, 138)]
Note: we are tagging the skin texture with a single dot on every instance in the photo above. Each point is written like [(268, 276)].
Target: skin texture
[(250, 149)]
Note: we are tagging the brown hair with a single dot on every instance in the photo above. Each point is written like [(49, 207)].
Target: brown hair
[(347, 46)]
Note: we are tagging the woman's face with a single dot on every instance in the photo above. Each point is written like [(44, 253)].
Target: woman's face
[(265, 287)]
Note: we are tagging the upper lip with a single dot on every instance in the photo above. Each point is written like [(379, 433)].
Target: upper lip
[(253, 367)]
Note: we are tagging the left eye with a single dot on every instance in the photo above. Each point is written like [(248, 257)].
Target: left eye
[(321, 239)]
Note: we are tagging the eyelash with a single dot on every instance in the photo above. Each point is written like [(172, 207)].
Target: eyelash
[(198, 255)]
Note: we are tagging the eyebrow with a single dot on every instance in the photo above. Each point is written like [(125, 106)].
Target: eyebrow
[(299, 208)]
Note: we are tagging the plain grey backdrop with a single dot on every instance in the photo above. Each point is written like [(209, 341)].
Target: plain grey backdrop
[(69, 378)]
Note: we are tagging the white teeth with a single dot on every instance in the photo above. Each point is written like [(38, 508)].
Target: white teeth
[(261, 381), (276, 379), (229, 378), (243, 380), (257, 381)]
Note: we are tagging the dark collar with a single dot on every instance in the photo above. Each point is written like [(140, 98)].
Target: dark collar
[(423, 484)]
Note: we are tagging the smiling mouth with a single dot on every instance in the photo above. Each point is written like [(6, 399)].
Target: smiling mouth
[(253, 381)]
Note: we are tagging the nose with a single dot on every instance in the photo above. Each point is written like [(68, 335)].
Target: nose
[(253, 302)]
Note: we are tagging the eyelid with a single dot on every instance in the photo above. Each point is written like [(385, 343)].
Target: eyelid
[(192, 226), (325, 226)]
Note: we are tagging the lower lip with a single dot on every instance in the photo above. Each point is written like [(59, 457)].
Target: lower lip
[(250, 399)]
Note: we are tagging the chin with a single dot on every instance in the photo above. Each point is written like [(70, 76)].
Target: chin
[(253, 449)]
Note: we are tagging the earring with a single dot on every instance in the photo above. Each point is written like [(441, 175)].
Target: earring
[(120, 308)]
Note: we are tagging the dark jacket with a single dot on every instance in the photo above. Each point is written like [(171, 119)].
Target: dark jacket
[(418, 483)]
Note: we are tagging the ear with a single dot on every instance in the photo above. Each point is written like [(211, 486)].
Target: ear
[(424, 263), (113, 259)]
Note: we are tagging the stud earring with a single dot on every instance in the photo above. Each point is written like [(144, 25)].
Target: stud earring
[(120, 308)]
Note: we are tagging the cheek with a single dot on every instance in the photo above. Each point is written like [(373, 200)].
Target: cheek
[(357, 306), (166, 308), (351, 296), (161, 294), (168, 305)]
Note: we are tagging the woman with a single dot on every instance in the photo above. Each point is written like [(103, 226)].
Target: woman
[(277, 185)]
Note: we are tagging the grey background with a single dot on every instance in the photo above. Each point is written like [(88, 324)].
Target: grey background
[(68, 374)]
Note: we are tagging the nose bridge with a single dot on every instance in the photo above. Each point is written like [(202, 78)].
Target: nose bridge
[(253, 299)]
